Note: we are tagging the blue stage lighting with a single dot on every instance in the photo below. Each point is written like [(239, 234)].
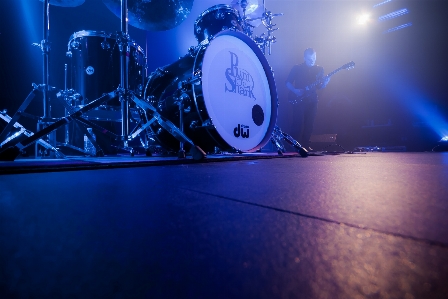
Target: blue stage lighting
[(382, 3), (442, 145), (394, 14), (398, 27), (417, 102), (30, 19)]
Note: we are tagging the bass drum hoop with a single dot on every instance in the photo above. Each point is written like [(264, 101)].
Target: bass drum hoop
[(268, 72)]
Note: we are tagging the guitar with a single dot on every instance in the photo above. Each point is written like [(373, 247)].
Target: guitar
[(294, 99)]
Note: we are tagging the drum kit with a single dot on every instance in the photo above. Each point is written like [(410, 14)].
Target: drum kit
[(219, 97)]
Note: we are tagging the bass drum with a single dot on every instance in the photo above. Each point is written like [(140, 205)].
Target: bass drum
[(228, 94)]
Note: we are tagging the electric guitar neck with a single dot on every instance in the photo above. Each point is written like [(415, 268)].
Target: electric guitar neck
[(294, 99)]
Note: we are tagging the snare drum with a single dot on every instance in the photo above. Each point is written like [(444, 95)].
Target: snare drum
[(95, 64), (214, 20), (228, 91)]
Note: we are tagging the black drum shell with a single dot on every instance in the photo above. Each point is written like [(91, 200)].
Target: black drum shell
[(95, 65)]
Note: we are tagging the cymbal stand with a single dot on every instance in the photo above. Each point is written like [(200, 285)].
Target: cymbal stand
[(45, 47), (124, 94), (247, 28), (278, 135)]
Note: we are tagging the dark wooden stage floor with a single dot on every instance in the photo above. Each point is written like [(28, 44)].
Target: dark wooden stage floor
[(372, 225)]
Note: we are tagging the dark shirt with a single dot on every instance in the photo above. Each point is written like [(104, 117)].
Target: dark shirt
[(302, 75)]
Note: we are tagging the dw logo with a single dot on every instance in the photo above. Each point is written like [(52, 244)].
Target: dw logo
[(241, 130), (240, 81)]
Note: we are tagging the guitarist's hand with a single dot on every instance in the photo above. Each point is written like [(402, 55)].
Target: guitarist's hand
[(325, 82)]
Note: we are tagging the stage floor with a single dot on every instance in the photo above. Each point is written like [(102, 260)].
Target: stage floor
[(364, 225)]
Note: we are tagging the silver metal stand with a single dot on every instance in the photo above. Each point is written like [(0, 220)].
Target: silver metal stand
[(46, 119), (278, 135), (45, 88), (124, 68)]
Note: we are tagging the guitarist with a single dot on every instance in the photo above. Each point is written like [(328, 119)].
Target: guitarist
[(301, 76)]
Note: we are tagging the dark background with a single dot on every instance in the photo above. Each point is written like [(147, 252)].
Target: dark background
[(395, 96)]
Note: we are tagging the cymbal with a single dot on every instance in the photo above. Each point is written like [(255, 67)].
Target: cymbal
[(153, 15), (251, 5), (65, 3)]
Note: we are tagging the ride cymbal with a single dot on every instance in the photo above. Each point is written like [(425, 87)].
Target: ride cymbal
[(153, 15)]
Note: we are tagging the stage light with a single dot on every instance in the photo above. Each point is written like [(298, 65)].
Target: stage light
[(445, 138), (394, 14), (363, 19)]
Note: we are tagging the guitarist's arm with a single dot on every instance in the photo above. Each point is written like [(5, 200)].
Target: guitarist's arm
[(297, 91)]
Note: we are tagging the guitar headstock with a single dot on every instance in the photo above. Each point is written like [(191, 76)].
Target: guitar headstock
[(348, 66)]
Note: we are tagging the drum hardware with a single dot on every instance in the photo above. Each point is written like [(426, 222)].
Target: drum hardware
[(44, 88), (72, 101), (202, 78), (206, 124), (147, 15), (250, 15), (19, 132), (278, 135), (13, 122), (247, 28), (267, 40), (196, 152), (82, 123), (11, 152), (180, 103)]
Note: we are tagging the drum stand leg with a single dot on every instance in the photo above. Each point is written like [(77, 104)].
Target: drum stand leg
[(17, 137), (15, 146), (278, 135), (13, 124), (82, 124)]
